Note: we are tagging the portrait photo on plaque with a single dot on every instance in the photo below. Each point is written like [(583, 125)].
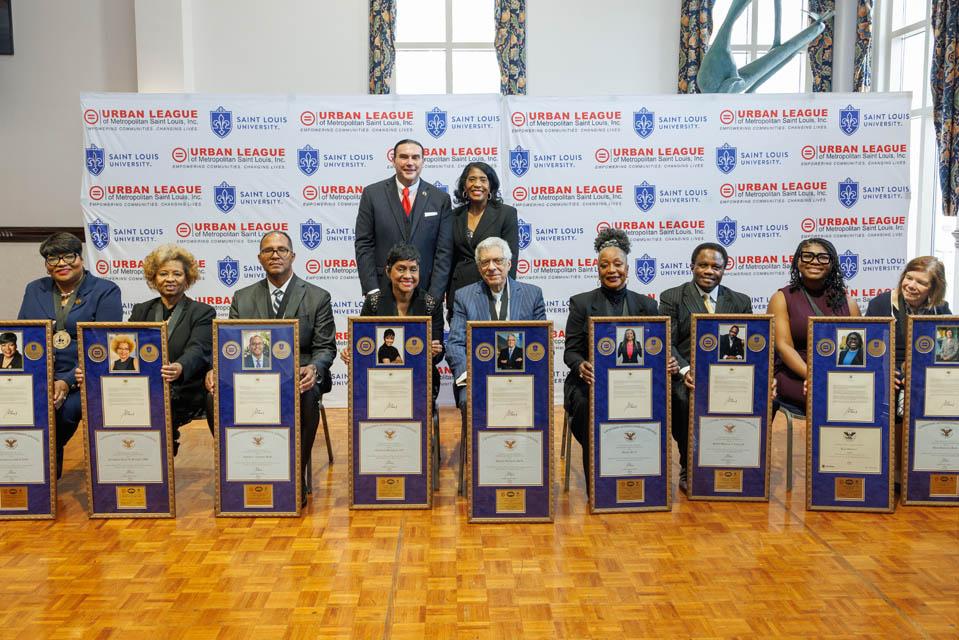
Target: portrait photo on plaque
[(256, 349), (510, 346), (852, 347), (123, 352), (11, 359), (629, 346), (947, 344), (732, 341), (387, 339)]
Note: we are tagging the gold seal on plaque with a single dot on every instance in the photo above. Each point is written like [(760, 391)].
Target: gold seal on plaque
[(33, 350), (97, 353), (390, 488), (850, 489), (876, 348), (414, 346), (728, 480), (132, 497), (231, 350), (258, 495), (61, 340), (511, 501), (484, 352), (653, 345), (14, 498), (365, 346), (943, 485), (149, 353), (925, 344), (756, 343), (535, 351), (632, 490), (708, 342), (825, 347), (281, 350), (606, 346)]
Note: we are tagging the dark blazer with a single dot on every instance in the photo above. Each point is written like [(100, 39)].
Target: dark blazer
[(680, 303), (637, 353), (731, 346), (307, 303), (249, 362), (881, 307), (120, 365), (381, 223), (97, 300), (510, 361), (498, 221), (857, 359), (389, 353), (15, 363)]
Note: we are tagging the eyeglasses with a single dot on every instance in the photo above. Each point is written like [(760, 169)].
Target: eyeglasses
[(66, 258), (499, 262), (280, 251), (808, 257)]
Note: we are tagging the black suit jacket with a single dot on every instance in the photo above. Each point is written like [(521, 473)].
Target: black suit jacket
[(381, 223), (730, 346), (510, 361), (16, 362), (637, 353), (498, 221), (680, 303), (249, 362)]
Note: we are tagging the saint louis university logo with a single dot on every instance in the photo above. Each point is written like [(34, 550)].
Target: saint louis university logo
[(849, 120), (445, 188), (224, 197), (644, 122), (644, 195), (311, 233), (848, 193), (221, 122), (726, 231), (726, 158), (646, 268), (95, 159), (525, 234), (99, 234), (519, 161), (228, 271), (436, 122), (849, 264), (308, 160)]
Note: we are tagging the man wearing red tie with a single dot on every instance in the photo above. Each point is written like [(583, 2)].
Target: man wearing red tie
[(404, 208)]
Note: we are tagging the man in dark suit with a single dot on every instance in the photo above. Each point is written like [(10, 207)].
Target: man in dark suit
[(404, 208), (704, 294), (256, 358), (510, 357), (731, 345), (283, 295)]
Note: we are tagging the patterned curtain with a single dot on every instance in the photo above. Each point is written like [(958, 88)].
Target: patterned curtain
[(820, 49), (944, 78), (695, 28), (862, 71), (510, 24), (382, 52)]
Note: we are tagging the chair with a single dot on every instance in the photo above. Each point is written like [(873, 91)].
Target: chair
[(566, 447), (436, 450), (792, 413), (459, 490), (308, 484)]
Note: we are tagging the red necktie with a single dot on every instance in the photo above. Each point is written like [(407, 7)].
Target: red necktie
[(407, 207)]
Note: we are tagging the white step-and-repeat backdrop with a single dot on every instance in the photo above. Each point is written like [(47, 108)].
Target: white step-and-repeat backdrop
[(756, 173)]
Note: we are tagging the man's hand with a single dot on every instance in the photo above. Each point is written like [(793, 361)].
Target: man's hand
[(307, 377)]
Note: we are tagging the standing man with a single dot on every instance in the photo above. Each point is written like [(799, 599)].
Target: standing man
[(404, 208), (284, 295), (703, 295)]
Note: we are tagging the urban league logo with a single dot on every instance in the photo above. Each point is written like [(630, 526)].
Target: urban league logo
[(726, 231), (525, 234), (311, 233), (644, 195), (646, 268), (95, 159), (849, 120), (228, 271), (221, 122), (519, 161), (644, 122), (849, 264), (726, 158), (436, 122), (224, 197), (848, 193), (308, 160), (99, 234)]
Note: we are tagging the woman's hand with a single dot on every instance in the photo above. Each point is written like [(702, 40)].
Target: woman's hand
[(586, 371), (78, 374), (346, 355), (172, 371), (672, 366), (60, 391), (436, 347)]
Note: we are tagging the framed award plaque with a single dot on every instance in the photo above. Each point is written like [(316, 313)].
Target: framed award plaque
[(28, 472), (849, 440), (629, 409), (509, 434), (391, 413), (257, 417), (930, 436), (730, 408), (127, 433)]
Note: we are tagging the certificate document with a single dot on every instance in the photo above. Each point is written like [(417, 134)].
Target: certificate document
[(509, 402), (850, 450), (389, 394), (510, 458), (257, 455), (391, 447), (256, 398), (16, 400), (730, 442), (942, 397), (731, 388), (129, 456), (126, 401), (630, 394), (21, 456), (629, 449), (850, 396), (936, 446)]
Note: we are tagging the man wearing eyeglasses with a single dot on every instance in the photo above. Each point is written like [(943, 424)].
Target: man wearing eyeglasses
[(284, 295)]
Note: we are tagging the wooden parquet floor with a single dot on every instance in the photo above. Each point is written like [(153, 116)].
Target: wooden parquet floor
[(704, 570)]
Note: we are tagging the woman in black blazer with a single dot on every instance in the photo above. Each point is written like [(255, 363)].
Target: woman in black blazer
[(481, 215)]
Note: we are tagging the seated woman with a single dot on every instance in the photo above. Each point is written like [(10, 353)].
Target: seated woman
[(68, 295), (10, 356), (816, 288)]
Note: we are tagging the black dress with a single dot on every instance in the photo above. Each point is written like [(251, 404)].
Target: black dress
[(498, 221)]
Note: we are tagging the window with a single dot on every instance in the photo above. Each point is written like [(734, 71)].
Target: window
[(445, 46)]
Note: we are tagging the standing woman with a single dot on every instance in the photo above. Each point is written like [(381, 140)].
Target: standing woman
[(68, 295), (481, 215)]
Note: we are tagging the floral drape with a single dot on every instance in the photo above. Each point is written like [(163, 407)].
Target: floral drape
[(695, 28), (382, 51), (820, 49), (944, 80), (862, 64), (510, 43)]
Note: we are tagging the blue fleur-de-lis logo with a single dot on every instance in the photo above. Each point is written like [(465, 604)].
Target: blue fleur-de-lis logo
[(726, 158), (95, 159), (311, 233), (228, 271), (308, 160), (849, 264), (646, 268), (519, 161), (224, 197), (848, 192), (436, 122), (445, 188), (525, 234), (644, 195), (644, 122), (849, 120), (99, 234), (221, 122), (726, 231)]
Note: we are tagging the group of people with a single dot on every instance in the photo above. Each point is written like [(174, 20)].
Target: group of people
[(413, 251)]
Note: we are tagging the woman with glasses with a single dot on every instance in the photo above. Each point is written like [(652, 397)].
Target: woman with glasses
[(816, 288), (68, 295)]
